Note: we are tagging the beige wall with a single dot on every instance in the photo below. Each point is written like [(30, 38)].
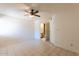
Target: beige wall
[(64, 31)]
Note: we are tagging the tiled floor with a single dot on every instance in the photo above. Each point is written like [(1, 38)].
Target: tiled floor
[(31, 48)]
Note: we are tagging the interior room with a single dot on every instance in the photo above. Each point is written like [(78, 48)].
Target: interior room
[(39, 29)]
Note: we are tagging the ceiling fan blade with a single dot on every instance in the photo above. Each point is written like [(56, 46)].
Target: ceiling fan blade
[(25, 10), (36, 11), (37, 15)]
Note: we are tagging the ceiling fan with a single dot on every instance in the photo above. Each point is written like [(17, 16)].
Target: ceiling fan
[(32, 12)]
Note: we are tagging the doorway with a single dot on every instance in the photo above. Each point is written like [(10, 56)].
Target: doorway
[(42, 26), (41, 31), (45, 31)]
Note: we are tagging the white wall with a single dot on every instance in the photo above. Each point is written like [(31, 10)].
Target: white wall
[(52, 30), (14, 24), (64, 31), (37, 29)]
